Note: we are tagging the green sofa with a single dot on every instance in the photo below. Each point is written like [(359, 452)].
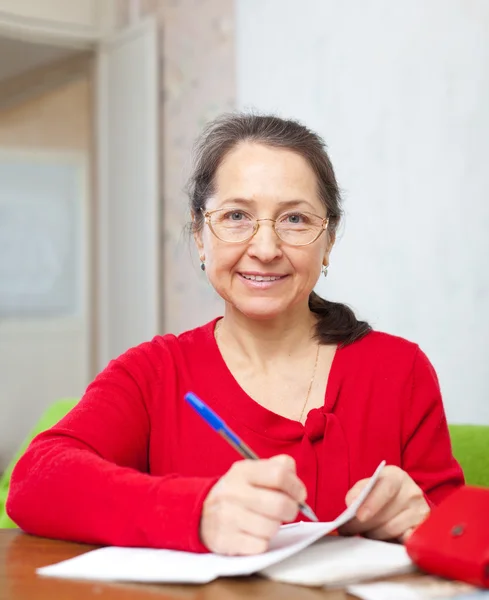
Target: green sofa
[(470, 445), (49, 418)]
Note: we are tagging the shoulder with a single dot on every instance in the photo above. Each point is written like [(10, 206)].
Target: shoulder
[(166, 349), (380, 351), (381, 343), (198, 337)]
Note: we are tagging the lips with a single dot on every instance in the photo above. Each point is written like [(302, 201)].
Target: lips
[(262, 281), (250, 277)]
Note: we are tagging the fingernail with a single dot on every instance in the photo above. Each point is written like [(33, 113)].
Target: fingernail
[(364, 514)]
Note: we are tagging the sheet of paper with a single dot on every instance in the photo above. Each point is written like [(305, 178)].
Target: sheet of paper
[(165, 566), (340, 561), (383, 591), (424, 588)]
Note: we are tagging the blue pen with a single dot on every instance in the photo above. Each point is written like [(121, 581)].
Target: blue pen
[(231, 438)]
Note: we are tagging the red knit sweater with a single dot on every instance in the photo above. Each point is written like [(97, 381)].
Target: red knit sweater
[(132, 463)]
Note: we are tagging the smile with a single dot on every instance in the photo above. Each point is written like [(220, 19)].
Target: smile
[(254, 281), (262, 277)]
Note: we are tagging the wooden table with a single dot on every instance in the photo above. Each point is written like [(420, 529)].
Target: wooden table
[(21, 555)]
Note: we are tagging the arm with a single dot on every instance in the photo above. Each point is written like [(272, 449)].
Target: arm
[(426, 452), (87, 480), (403, 496)]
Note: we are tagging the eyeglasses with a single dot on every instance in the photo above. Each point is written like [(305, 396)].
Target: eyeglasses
[(237, 226)]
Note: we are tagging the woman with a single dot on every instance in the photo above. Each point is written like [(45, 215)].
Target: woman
[(317, 394)]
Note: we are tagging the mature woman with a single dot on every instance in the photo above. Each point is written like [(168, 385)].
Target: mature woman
[(316, 393)]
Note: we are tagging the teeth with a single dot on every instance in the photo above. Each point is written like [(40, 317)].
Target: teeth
[(260, 278)]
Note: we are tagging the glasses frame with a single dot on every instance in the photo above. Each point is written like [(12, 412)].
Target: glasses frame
[(208, 214)]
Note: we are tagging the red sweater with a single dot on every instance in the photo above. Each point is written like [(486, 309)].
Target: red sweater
[(132, 463)]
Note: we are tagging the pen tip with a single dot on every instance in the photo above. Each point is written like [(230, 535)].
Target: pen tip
[(309, 513)]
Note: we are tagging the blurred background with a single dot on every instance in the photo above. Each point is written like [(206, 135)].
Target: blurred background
[(100, 102)]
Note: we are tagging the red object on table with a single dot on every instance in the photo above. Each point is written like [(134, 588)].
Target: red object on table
[(453, 542)]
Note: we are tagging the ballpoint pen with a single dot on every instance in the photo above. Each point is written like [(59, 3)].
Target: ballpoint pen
[(212, 419)]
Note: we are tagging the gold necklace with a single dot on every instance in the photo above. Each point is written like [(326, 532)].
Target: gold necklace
[(310, 384), (216, 329)]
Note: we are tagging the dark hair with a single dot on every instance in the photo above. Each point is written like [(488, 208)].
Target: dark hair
[(336, 322)]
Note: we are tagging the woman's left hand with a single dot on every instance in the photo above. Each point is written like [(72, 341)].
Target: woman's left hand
[(394, 507)]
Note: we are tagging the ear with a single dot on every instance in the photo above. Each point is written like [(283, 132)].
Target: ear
[(329, 247), (198, 242), (331, 240), (198, 238)]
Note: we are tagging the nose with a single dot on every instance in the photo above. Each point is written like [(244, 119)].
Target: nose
[(265, 245)]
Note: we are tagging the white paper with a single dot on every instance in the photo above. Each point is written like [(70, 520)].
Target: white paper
[(422, 588), (165, 566), (384, 591), (340, 561)]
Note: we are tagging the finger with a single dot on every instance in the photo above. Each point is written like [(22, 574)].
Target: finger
[(270, 503), (407, 534), (285, 478), (388, 512), (255, 524), (403, 502), (240, 544), (352, 527), (355, 491), (396, 527), (277, 473), (221, 530), (285, 460), (364, 521), (382, 494), (236, 491)]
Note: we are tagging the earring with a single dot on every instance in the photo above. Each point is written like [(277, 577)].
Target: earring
[(202, 264), (324, 269)]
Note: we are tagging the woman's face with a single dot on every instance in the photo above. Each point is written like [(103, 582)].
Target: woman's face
[(265, 182)]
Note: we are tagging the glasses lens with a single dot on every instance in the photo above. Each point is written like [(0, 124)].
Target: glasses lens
[(298, 229), (232, 225)]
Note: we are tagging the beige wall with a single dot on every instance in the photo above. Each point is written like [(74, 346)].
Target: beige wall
[(198, 84), (78, 13), (57, 120), (43, 359), (197, 59), (197, 71)]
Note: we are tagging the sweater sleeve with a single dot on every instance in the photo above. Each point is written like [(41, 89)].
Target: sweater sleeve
[(86, 479), (427, 453)]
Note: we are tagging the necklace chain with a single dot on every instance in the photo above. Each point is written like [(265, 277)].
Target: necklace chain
[(310, 384), (216, 329)]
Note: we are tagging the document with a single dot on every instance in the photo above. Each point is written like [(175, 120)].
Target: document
[(425, 588), (170, 566), (340, 561)]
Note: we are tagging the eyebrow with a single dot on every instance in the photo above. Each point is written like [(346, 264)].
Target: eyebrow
[(282, 203)]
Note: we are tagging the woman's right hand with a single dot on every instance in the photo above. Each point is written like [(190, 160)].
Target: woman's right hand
[(246, 507)]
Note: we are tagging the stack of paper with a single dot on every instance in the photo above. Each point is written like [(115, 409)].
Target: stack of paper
[(341, 561), (291, 557)]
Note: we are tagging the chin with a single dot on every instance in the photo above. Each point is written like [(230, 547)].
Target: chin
[(262, 311)]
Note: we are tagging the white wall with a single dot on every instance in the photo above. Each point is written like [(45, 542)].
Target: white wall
[(400, 92)]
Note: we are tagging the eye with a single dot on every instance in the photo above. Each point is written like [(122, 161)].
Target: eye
[(294, 219), (235, 215)]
